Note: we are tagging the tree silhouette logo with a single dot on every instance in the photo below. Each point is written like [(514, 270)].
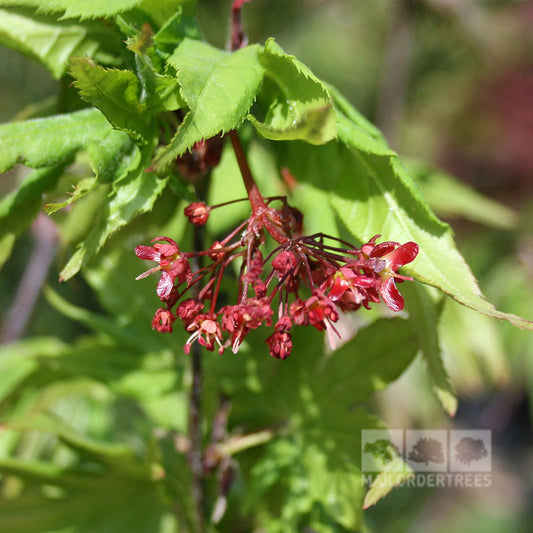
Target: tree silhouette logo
[(469, 449), (383, 450), (427, 450)]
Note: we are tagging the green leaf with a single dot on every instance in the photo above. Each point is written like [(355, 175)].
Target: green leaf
[(373, 193), (448, 197), (315, 481), (219, 87), (358, 119), (161, 11), (137, 366), (376, 356), (367, 363), (82, 10), (130, 503), (358, 137), (98, 323), (299, 104), (52, 42), (315, 472), (118, 457), (177, 28), (133, 195), (474, 349), (424, 315), (83, 187), (46, 142), (158, 92), (114, 92), (18, 361), (19, 208), (37, 471), (314, 463), (111, 158), (166, 95), (393, 474)]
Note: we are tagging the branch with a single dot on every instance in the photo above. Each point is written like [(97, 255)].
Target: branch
[(196, 451), (238, 37), (18, 315)]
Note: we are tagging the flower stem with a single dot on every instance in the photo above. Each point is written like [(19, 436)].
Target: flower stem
[(256, 199), (238, 37), (259, 207)]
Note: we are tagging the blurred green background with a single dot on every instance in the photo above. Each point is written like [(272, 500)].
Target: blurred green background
[(450, 82)]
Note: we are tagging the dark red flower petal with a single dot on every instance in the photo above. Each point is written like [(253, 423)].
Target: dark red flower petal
[(392, 298), (284, 324), (180, 269), (165, 285), (383, 248), (167, 250), (402, 255), (188, 309), (166, 239), (147, 252)]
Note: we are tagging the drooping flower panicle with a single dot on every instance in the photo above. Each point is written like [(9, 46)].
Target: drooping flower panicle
[(305, 280)]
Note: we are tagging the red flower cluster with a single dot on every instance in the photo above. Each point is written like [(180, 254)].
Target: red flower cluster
[(304, 280)]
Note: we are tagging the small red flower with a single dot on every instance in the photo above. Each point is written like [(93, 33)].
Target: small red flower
[(280, 344), (206, 330), (215, 250), (393, 256), (284, 324), (240, 319), (299, 312), (163, 320), (320, 310), (260, 289), (188, 309), (172, 264), (345, 280), (284, 262), (197, 213)]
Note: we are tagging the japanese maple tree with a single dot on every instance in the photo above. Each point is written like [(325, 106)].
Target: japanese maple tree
[(273, 214)]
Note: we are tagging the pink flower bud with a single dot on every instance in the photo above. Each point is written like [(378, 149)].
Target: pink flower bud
[(197, 213), (280, 344)]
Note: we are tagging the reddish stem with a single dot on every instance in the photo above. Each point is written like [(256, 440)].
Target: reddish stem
[(259, 207), (256, 199), (238, 38)]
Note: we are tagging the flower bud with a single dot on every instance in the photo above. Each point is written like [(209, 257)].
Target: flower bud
[(197, 213)]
